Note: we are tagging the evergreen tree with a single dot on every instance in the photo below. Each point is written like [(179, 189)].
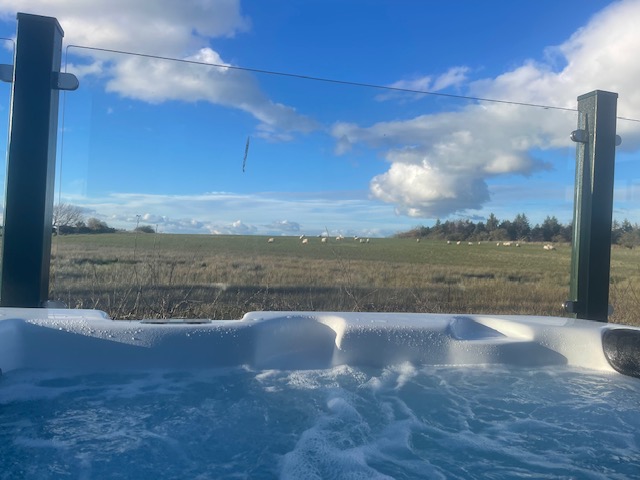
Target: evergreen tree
[(521, 228), (492, 223), (550, 228)]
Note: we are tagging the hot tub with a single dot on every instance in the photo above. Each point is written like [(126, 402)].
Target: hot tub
[(317, 395)]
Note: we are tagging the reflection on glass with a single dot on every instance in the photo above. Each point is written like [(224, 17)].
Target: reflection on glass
[(6, 58)]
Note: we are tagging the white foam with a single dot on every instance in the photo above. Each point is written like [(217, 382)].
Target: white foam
[(400, 421)]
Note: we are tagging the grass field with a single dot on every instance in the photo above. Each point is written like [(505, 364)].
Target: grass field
[(222, 277)]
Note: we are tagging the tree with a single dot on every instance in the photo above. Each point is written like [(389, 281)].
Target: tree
[(480, 232), (626, 226), (505, 226), (98, 226), (630, 238), (66, 217), (492, 223), (521, 228), (565, 234), (145, 229), (500, 234), (550, 228)]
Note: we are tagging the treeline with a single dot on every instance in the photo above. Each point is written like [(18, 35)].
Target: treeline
[(518, 229), (69, 219), (92, 225)]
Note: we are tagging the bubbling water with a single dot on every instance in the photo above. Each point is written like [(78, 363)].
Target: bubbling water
[(402, 421)]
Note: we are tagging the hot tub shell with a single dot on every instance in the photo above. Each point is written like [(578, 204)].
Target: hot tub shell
[(90, 340)]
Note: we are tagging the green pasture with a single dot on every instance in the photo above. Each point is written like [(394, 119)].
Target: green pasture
[(158, 275)]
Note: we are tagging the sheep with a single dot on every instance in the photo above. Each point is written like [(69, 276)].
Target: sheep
[(271, 240), (417, 240), (506, 244), (498, 244), (470, 243), (324, 239), (302, 236), (548, 246), (448, 242), (458, 242), (361, 240), (305, 241)]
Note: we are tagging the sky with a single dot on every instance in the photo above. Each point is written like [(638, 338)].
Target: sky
[(259, 145)]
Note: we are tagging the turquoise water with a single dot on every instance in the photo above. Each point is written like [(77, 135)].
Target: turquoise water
[(400, 422)]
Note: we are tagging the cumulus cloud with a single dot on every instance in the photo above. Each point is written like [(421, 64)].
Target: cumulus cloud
[(285, 226), (345, 213), (452, 155), (169, 80), (443, 163), (234, 228), (165, 28), (160, 27)]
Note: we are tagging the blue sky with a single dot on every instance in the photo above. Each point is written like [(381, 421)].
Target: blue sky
[(162, 142)]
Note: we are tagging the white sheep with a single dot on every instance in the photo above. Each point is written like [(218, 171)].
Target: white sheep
[(305, 241), (324, 239), (448, 242), (271, 240)]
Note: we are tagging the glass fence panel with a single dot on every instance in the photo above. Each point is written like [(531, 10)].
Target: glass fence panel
[(7, 48), (624, 291), (191, 190)]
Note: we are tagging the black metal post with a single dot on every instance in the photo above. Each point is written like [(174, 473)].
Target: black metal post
[(593, 207), (26, 250)]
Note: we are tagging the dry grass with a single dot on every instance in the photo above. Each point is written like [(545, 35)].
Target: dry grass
[(161, 276)]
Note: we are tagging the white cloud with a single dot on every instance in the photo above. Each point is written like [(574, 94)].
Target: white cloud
[(453, 154), (285, 226), (443, 163), (348, 213), (454, 77), (422, 190), (168, 28), (234, 228), (169, 80), (160, 27)]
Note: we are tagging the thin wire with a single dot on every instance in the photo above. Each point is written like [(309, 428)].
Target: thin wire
[(328, 80), (628, 119), (341, 82)]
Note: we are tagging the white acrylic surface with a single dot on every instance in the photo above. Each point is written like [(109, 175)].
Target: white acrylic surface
[(86, 339)]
